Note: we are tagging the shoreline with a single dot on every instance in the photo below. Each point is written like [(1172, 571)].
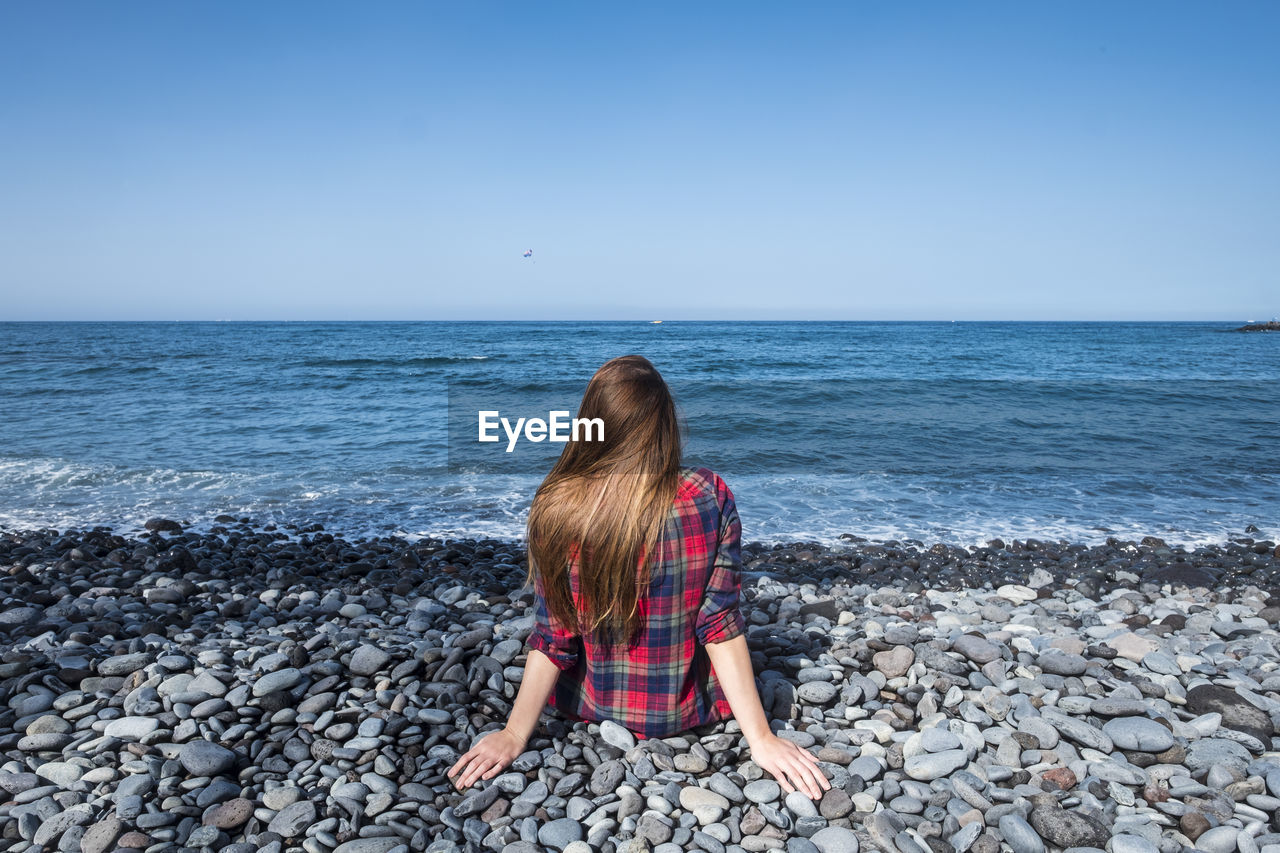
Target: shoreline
[(1238, 560), (255, 688)]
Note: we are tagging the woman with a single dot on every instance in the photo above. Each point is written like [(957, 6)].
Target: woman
[(635, 565)]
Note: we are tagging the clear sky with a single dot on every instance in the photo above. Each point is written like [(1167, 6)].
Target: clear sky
[(236, 160)]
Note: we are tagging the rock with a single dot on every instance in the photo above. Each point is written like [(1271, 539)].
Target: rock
[(762, 791), (230, 814), (1061, 663), (1077, 730), (817, 692), (476, 801), (1061, 778), (1220, 839), (367, 660), (607, 777), (124, 664), (835, 804), (617, 736), (934, 765), (1138, 733), (835, 839), (205, 758), (884, 828), (558, 834), (935, 739), (1110, 707), (1019, 834), (131, 728), (692, 797), (977, 649), (102, 836), (1206, 753), (895, 662), (383, 844), (800, 805), (1124, 843), (1131, 646), (284, 679), (53, 827), (293, 820), (1237, 712), (1068, 828), (866, 767)]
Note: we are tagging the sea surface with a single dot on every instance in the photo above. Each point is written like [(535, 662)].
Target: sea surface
[(954, 432)]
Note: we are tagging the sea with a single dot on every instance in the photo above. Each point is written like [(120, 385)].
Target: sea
[(954, 432)]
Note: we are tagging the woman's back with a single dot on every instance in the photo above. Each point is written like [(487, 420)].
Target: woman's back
[(662, 681)]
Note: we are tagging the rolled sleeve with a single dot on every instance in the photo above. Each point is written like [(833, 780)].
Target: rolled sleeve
[(720, 617), (549, 635)]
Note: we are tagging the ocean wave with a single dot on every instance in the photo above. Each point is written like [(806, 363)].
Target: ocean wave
[(422, 361)]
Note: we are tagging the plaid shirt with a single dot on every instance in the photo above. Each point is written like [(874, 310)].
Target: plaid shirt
[(663, 683)]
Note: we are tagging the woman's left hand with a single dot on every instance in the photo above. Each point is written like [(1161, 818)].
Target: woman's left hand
[(487, 758)]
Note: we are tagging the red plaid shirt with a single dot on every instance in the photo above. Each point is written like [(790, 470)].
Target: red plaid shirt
[(663, 683)]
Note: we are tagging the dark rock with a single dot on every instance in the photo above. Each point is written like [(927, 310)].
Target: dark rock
[(1237, 712), (1069, 828)]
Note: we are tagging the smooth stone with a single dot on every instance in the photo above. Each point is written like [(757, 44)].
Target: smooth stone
[(834, 839), (817, 692), (1109, 707), (616, 735), (1138, 733), (895, 662), (934, 765), (800, 805), (367, 660), (692, 797), (1019, 834), (272, 682), (123, 664), (1061, 663), (131, 728), (1204, 754), (936, 739), (964, 838), (205, 758), (1077, 730), (293, 819), (1161, 662), (866, 767), (558, 834), (977, 649), (762, 791), (1125, 843), (382, 844), (1220, 839)]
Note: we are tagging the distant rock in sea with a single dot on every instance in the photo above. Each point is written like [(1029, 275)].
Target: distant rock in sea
[(1269, 326)]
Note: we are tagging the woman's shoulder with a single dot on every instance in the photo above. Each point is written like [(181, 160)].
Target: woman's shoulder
[(701, 482)]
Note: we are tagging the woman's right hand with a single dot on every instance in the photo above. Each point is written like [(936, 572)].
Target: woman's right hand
[(487, 758), (793, 767)]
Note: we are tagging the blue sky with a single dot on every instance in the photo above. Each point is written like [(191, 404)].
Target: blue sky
[(232, 160)]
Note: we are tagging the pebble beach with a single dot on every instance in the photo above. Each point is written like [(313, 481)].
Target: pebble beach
[(254, 688)]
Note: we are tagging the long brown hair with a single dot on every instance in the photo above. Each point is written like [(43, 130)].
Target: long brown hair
[(604, 503)]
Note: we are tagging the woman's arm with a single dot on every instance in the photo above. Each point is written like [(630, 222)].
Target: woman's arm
[(732, 663), (493, 752), (793, 767)]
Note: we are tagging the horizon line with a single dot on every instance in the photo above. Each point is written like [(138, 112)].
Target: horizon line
[(638, 321)]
